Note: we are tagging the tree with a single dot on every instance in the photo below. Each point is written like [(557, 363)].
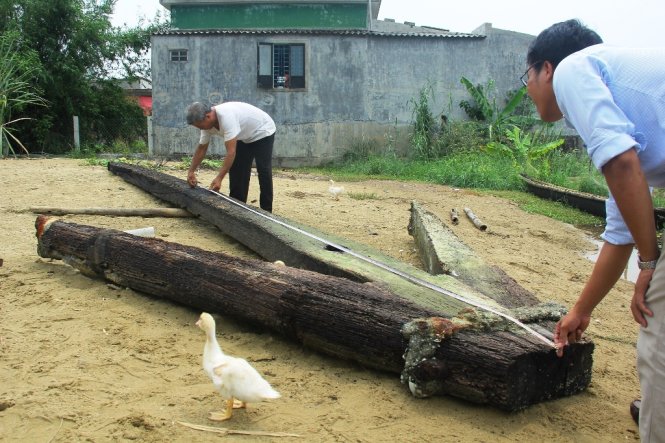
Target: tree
[(79, 52)]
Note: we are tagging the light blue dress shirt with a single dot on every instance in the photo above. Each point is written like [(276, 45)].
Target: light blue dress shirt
[(615, 98)]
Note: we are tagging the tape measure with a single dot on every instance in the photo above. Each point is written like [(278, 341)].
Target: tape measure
[(392, 270)]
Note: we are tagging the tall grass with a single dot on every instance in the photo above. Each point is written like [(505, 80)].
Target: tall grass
[(119, 147), (474, 169), (457, 157), (424, 126), (465, 169)]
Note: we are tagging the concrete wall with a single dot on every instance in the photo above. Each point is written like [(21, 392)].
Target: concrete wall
[(360, 86)]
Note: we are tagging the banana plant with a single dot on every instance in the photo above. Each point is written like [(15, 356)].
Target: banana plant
[(487, 110), (522, 149)]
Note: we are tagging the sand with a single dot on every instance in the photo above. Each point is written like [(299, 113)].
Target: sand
[(82, 360)]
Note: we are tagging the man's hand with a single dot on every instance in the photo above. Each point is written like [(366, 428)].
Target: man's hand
[(569, 330), (191, 179), (216, 183), (638, 305)]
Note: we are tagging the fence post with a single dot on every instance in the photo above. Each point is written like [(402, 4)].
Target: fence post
[(77, 139), (151, 136)]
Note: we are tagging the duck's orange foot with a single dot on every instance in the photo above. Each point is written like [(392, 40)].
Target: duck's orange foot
[(220, 416), (237, 404), (225, 414)]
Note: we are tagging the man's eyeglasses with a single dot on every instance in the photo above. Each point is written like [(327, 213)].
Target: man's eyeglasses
[(525, 77)]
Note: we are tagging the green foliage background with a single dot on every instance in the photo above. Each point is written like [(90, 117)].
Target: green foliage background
[(501, 140), (75, 56)]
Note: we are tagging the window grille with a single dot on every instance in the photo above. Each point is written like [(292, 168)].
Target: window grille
[(281, 66), (178, 55)]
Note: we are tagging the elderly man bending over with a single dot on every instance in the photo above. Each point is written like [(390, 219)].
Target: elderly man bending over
[(248, 134)]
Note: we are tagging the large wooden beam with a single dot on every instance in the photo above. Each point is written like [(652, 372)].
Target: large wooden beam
[(442, 252), (472, 356), (276, 238)]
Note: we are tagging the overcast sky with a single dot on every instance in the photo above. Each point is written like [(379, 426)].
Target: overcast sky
[(619, 22)]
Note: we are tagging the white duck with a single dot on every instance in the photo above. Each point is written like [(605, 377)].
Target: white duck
[(335, 190), (235, 379)]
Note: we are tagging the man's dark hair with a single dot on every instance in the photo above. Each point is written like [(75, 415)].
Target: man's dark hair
[(559, 41)]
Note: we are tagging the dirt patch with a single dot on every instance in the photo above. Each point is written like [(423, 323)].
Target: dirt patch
[(85, 360)]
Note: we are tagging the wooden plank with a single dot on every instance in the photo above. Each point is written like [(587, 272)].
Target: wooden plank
[(593, 204), (442, 252), (472, 356), (590, 203), (114, 212)]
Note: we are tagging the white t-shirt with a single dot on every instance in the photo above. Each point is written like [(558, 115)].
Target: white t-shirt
[(239, 120)]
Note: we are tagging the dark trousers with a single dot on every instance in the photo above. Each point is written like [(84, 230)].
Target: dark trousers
[(241, 170)]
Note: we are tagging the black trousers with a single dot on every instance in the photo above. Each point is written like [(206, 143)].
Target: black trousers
[(241, 170)]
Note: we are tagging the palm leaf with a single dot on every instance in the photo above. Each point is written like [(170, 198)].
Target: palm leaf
[(539, 151), (512, 104)]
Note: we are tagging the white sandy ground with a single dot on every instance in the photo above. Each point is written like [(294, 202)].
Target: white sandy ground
[(81, 360)]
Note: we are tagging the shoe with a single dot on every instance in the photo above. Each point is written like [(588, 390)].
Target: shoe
[(635, 410)]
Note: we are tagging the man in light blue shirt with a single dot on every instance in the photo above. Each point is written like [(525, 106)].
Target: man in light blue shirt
[(615, 99)]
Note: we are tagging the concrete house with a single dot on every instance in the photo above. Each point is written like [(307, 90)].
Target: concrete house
[(328, 71)]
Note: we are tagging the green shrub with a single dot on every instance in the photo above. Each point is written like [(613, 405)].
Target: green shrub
[(592, 185), (361, 149), (474, 170), (424, 126), (459, 136)]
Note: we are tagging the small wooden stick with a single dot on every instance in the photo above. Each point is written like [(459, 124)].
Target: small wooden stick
[(227, 431), (118, 212), (476, 221), (453, 216)]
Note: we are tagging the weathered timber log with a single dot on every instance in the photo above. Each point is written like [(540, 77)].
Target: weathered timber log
[(454, 217), (474, 359), (478, 223), (590, 203), (269, 236), (115, 212), (442, 252)]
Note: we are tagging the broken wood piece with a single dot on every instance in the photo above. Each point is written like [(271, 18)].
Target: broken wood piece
[(116, 212), (472, 355), (227, 431), (475, 220), (442, 252), (453, 216)]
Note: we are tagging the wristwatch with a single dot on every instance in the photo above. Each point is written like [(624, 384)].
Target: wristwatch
[(651, 264)]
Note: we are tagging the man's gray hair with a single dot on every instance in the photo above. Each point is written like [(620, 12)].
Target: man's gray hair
[(196, 112)]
